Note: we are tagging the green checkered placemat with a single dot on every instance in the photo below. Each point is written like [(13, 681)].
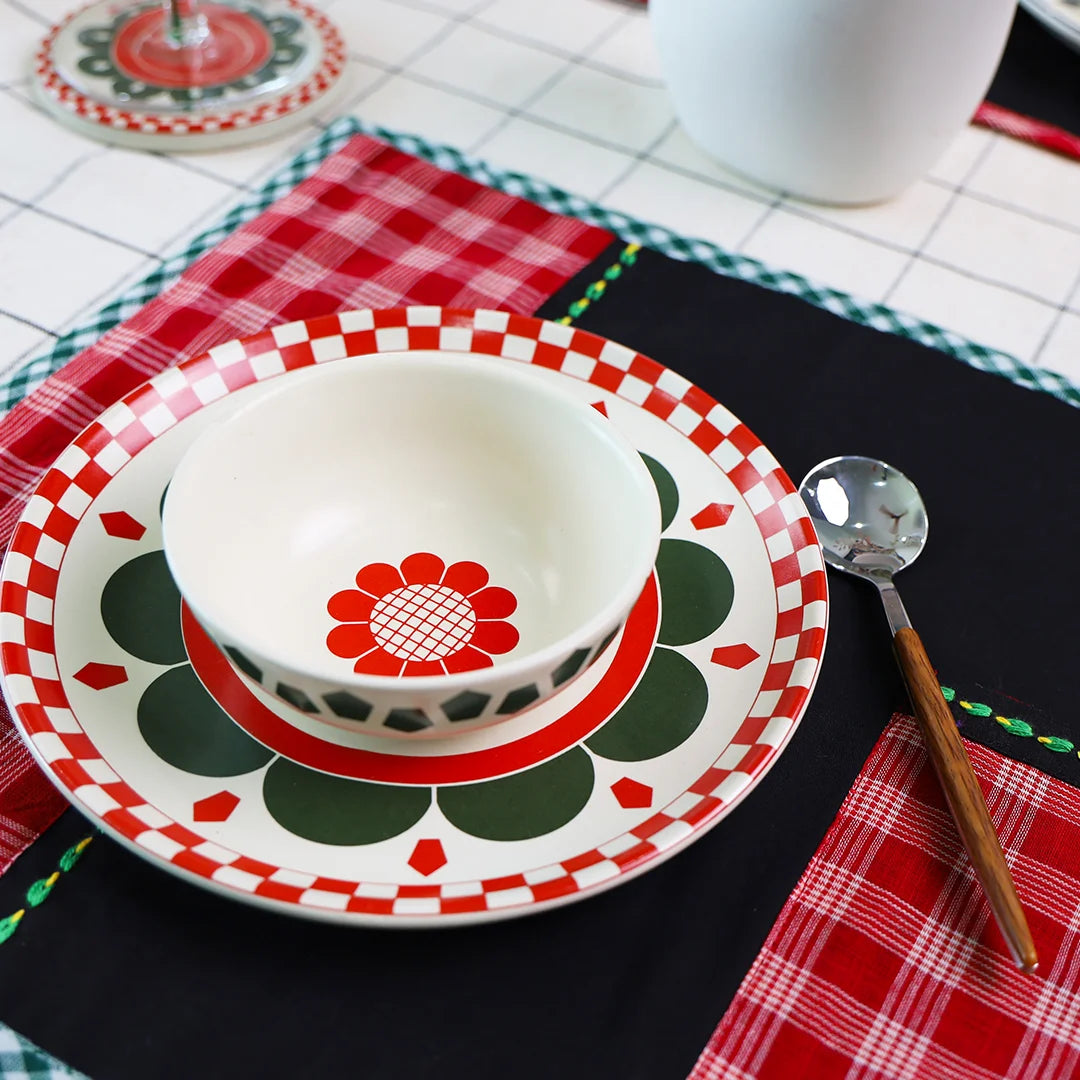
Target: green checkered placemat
[(20, 1059), (18, 384)]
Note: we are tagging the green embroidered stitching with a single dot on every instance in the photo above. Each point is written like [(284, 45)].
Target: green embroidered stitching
[(1016, 727), (1011, 724), (595, 290), (9, 925), (40, 890), (1059, 746), (877, 316)]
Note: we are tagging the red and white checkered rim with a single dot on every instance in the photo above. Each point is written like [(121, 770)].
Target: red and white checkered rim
[(31, 574), (202, 122)]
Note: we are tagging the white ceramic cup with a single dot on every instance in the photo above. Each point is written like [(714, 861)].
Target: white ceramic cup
[(840, 101)]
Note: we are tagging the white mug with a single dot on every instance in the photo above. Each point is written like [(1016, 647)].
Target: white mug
[(841, 101)]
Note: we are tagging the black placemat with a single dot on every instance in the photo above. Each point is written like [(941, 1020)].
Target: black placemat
[(126, 972), (991, 459)]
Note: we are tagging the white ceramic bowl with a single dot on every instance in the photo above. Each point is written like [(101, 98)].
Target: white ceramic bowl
[(412, 544)]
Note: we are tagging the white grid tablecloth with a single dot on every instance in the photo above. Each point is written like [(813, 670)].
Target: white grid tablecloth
[(987, 245)]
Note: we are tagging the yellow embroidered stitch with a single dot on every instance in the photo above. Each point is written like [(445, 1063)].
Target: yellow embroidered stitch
[(8, 925), (1013, 726), (595, 290), (1059, 746), (71, 856)]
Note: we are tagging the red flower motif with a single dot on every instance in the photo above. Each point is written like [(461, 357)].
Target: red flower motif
[(425, 619)]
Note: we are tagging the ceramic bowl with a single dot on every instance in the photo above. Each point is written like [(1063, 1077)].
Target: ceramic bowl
[(415, 544)]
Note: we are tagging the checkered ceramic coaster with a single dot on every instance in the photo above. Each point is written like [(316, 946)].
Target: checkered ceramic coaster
[(68, 100)]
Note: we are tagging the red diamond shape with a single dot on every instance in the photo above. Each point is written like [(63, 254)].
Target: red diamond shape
[(734, 656), (427, 856), (101, 676), (631, 793), (215, 807), (712, 515), (120, 523), (600, 407)]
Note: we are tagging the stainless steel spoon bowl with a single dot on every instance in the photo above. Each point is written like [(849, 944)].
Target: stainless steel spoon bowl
[(871, 522)]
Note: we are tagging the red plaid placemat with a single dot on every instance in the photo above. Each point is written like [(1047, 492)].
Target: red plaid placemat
[(373, 227), (885, 961)]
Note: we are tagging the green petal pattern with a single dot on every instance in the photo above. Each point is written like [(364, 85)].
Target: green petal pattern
[(524, 805), (666, 490), (697, 591), (98, 60), (662, 713), (336, 810), (140, 606), (186, 727)]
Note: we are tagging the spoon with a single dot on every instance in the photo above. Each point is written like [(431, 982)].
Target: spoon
[(871, 522)]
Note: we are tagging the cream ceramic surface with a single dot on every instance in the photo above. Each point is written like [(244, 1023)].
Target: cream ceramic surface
[(385, 461), (59, 262)]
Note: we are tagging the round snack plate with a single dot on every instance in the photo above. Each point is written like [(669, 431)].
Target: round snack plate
[(185, 757), (281, 63)]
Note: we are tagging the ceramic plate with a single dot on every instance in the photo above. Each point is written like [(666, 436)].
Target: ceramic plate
[(157, 738)]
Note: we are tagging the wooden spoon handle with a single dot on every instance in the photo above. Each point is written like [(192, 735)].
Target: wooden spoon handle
[(964, 796)]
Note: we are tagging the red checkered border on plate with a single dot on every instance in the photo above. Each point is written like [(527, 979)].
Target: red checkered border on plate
[(81, 473), (200, 123)]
